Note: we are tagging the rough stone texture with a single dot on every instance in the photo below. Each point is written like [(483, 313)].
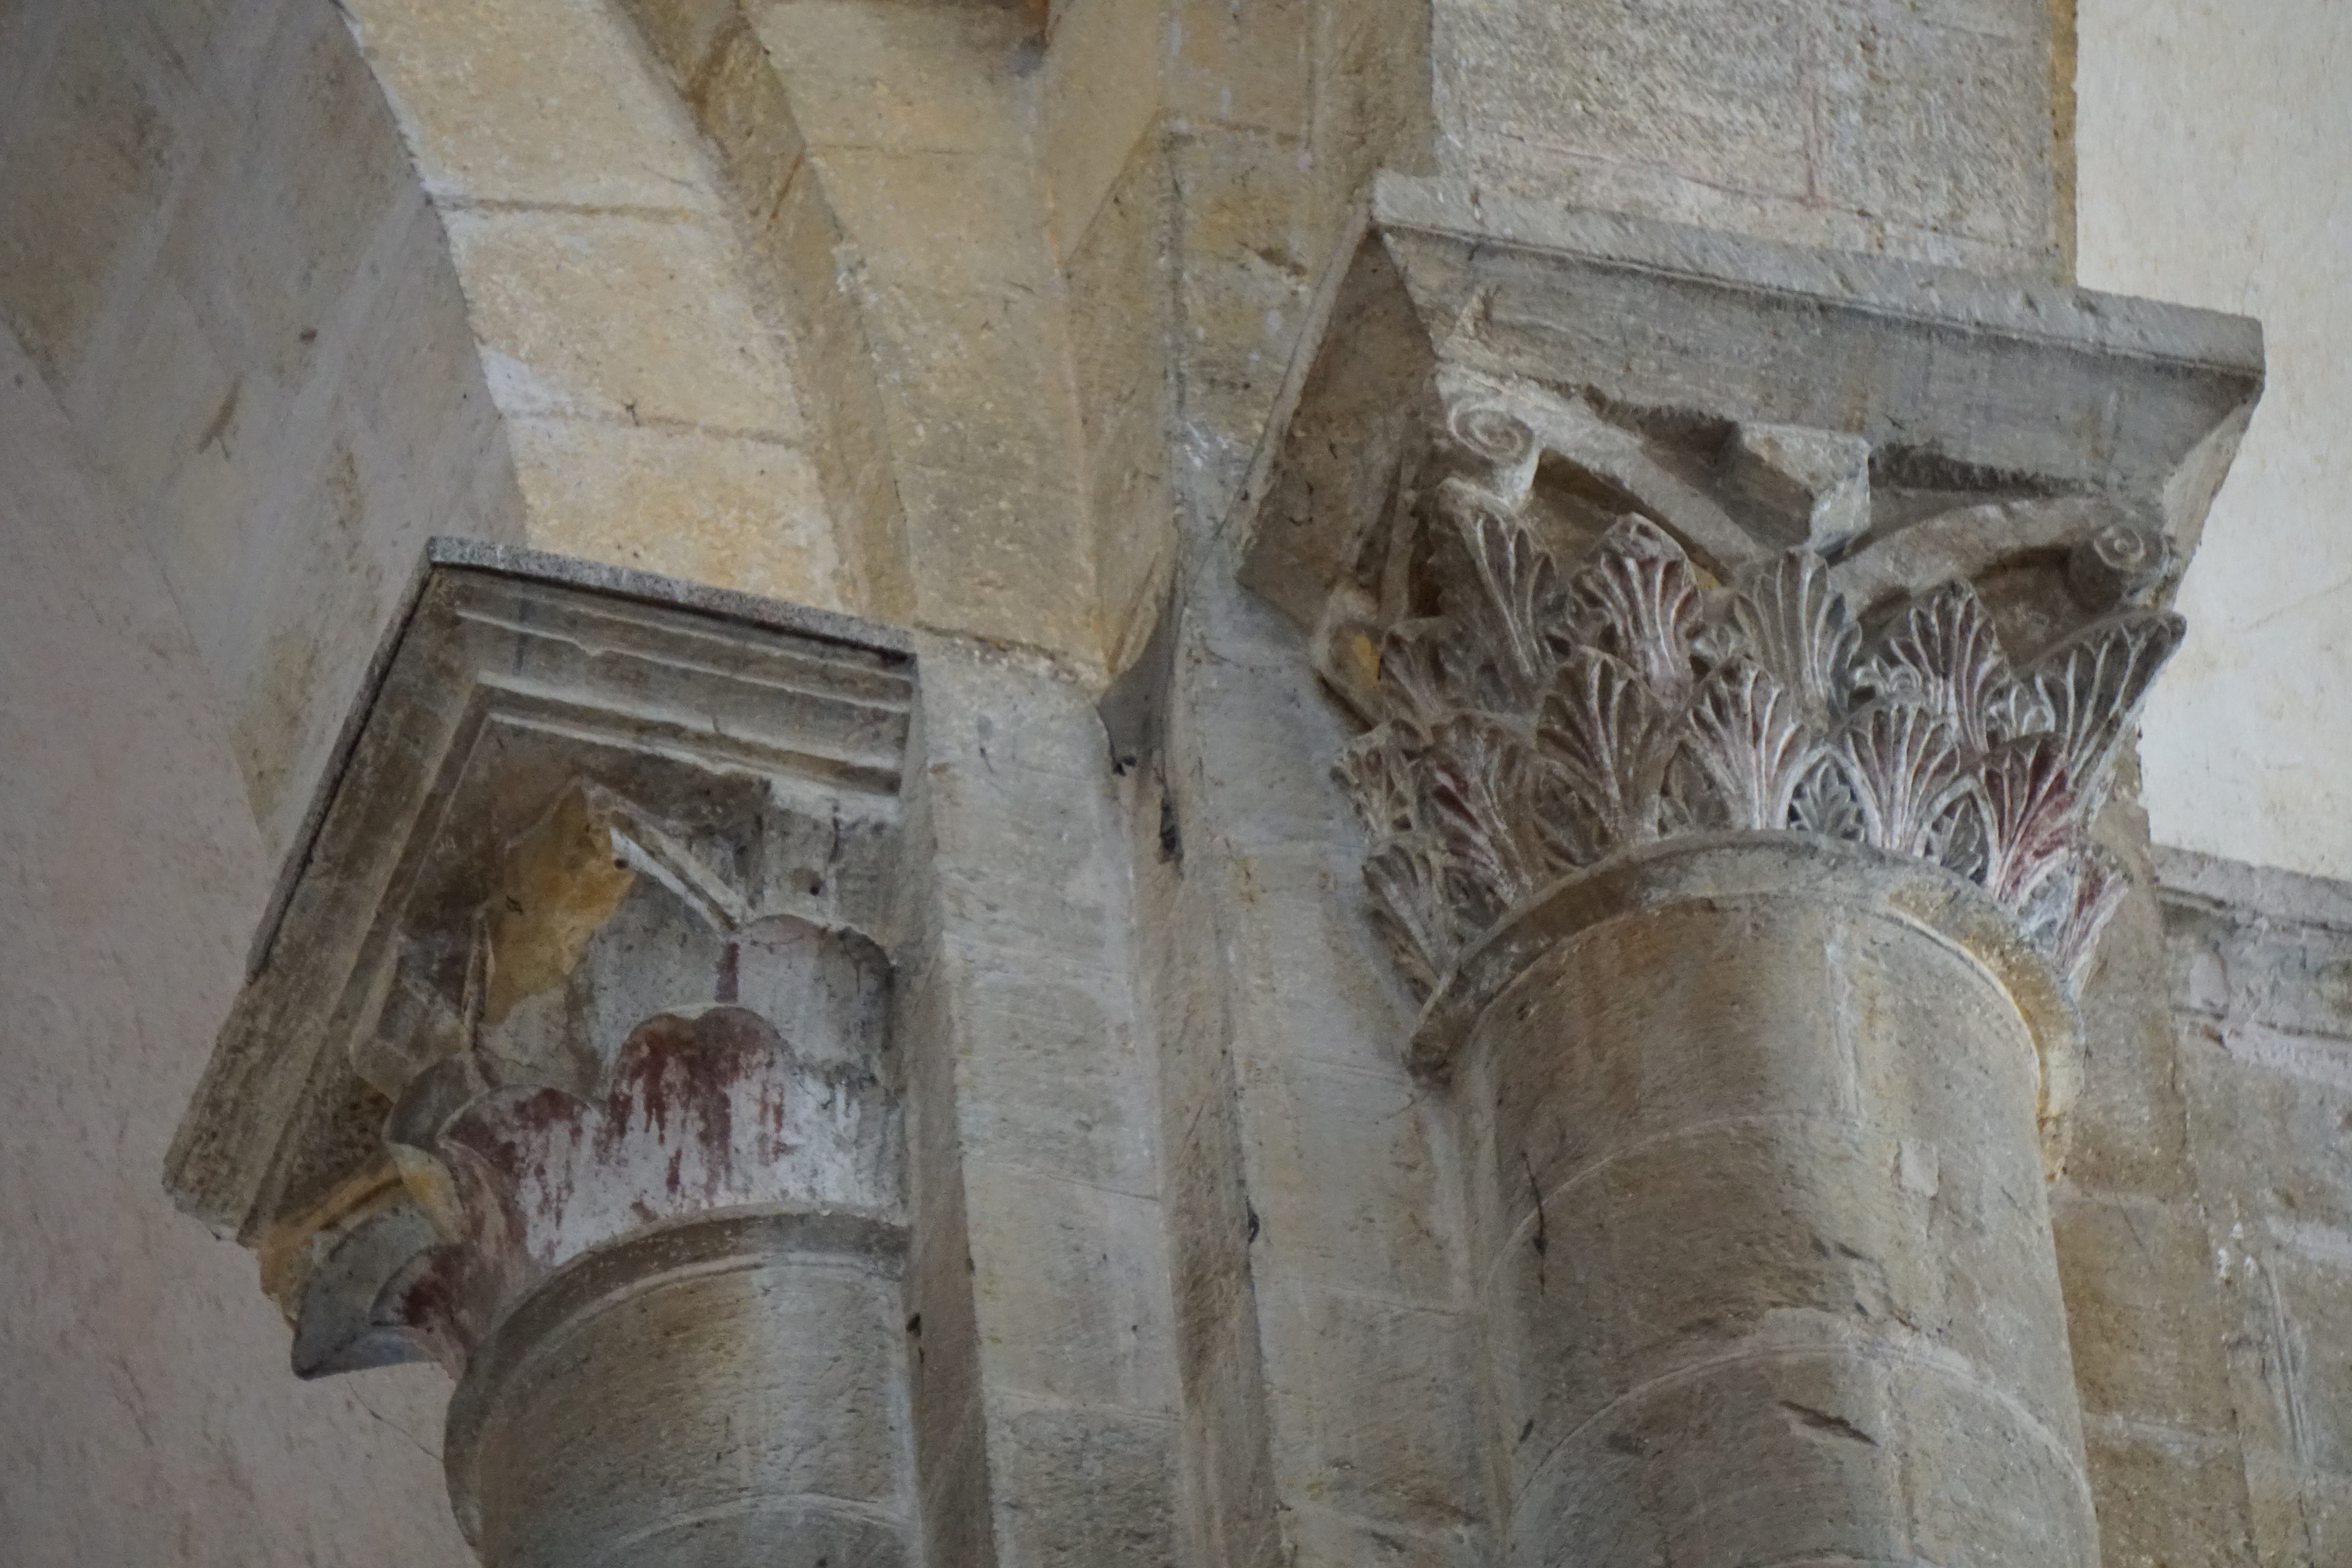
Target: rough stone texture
[(1926, 132), (2258, 962), (218, 258), (1315, 1203), (1797, 1063), (593, 1420), (614, 296), (1046, 1395), (934, 179)]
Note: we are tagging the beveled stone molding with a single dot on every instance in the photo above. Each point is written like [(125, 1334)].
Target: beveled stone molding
[(578, 947), (1913, 425)]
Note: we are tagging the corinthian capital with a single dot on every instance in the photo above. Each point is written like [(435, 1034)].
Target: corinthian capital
[(1611, 532), (1531, 717)]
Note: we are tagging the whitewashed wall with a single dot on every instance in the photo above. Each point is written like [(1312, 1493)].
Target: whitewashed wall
[(2215, 145)]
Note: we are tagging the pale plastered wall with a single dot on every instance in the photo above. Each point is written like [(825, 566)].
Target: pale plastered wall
[(237, 390), (2216, 169), (151, 1418)]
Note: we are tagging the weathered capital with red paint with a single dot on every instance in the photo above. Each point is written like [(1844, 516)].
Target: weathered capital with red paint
[(567, 1055)]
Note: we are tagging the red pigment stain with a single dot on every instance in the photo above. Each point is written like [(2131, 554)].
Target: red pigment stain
[(690, 1067)]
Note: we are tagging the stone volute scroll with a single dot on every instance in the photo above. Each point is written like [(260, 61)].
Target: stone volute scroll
[(566, 1063), (1743, 642)]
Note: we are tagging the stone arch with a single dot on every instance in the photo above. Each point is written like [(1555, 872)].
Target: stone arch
[(641, 296)]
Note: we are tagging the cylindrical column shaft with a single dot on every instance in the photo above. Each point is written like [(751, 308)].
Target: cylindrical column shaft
[(728, 1393), (1766, 1254)]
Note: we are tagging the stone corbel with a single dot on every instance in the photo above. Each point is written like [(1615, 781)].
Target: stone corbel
[(572, 1006)]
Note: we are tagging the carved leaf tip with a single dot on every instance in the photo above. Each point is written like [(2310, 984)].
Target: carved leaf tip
[(2095, 684), (1750, 743), (1794, 623), (1903, 763)]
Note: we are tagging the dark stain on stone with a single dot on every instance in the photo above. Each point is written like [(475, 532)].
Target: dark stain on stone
[(217, 427), (690, 1067)]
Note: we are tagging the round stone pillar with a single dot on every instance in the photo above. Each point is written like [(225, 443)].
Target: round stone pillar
[(1763, 1242), (723, 1393)]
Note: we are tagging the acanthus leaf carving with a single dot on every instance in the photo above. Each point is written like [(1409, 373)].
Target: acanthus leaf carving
[(1548, 717), (1794, 624), (1512, 594), (1749, 741), (2094, 684), (1824, 802), (1903, 762), (1412, 908), (1636, 598), (2026, 804), (1412, 673), (1609, 738), (1475, 778), (1945, 644), (2096, 885), (1380, 783)]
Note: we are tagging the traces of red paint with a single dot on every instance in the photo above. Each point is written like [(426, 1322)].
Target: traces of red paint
[(542, 1175)]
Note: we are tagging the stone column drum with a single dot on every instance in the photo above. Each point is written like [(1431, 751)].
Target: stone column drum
[(724, 1394), (1765, 1251)]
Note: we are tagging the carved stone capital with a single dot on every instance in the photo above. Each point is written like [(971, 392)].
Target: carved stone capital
[(1531, 718), (578, 950), (1611, 532)]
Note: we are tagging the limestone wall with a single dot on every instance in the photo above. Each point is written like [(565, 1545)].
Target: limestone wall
[(219, 259), (2205, 1224), (1930, 130), (237, 391)]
